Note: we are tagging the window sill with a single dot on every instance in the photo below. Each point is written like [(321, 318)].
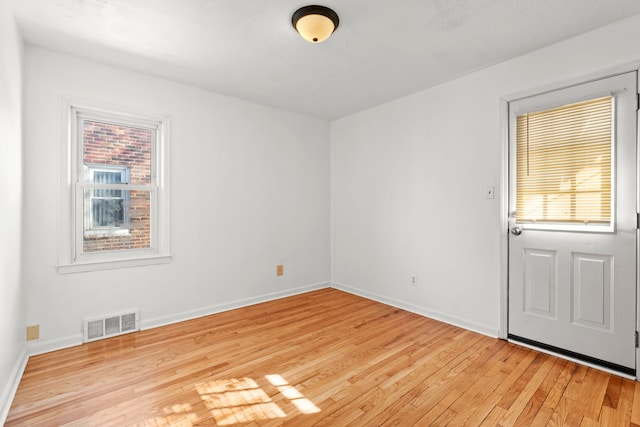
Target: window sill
[(111, 263)]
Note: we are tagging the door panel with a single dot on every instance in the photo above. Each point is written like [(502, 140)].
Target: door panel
[(592, 291), (540, 283), (572, 278)]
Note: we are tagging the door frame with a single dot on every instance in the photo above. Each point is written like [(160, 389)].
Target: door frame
[(504, 196)]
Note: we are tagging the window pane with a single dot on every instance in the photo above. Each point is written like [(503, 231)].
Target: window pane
[(117, 223), (563, 164), (106, 212), (118, 145), (107, 177)]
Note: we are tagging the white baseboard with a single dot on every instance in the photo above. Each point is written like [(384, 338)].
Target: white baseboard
[(40, 347), (10, 389), (232, 305), (432, 314)]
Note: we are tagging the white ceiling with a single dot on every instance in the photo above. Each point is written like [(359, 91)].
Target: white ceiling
[(381, 51)]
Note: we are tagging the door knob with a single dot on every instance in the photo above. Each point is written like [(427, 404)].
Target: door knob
[(516, 231)]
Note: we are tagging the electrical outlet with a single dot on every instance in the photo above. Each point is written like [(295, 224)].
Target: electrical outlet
[(279, 270), (33, 332), (414, 280)]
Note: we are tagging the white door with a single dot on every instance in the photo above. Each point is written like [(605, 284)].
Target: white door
[(573, 213)]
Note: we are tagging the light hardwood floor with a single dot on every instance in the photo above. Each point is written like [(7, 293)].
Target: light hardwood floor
[(323, 358)]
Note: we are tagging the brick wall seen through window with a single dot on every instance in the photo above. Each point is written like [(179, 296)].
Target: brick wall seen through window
[(117, 147)]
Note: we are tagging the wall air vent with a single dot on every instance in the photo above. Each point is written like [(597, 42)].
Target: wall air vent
[(99, 327)]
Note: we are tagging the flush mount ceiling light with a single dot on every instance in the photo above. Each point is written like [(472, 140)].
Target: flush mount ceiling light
[(315, 23)]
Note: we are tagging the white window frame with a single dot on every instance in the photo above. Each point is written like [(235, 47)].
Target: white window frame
[(530, 104), (73, 185)]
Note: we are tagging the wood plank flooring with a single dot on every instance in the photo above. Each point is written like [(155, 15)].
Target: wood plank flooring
[(322, 358)]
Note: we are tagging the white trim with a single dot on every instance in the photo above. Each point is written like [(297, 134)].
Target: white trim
[(232, 305), (638, 229), (597, 88), (116, 117), (585, 78), (39, 347), (572, 227), (432, 314), (504, 218), (70, 258), (108, 264), (8, 393), (36, 348)]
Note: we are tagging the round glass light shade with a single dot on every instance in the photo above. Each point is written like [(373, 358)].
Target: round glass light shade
[(315, 28), (315, 23)]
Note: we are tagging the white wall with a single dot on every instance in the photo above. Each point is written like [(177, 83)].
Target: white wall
[(408, 180), (12, 304), (249, 189)]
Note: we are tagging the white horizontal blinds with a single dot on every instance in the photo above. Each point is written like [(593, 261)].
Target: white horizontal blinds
[(563, 164)]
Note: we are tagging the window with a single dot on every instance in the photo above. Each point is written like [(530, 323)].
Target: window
[(107, 210), (115, 204), (564, 164)]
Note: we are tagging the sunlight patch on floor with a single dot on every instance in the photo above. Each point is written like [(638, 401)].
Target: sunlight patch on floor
[(176, 416), (234, 401), (303, 404), (242, 400), (238, 401)]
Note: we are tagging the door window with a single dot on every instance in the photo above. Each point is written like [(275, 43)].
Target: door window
[(564, 165)]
